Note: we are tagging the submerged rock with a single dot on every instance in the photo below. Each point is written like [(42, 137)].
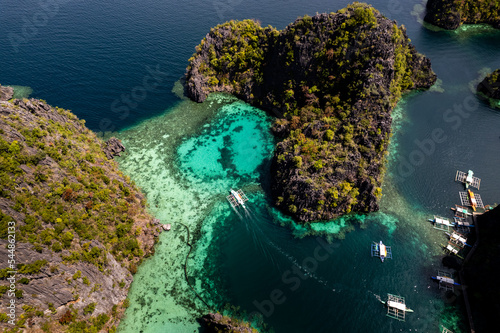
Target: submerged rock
[(332, 81), (450, 14), (215, 322)]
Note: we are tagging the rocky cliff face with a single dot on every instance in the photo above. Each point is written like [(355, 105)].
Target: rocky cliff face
[(482, 271), (490, 86), (6, 93), (59, 286), (450, 14), (113, 148), (332, 81), (79, 225)]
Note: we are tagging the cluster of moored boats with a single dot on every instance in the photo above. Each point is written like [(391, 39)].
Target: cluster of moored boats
[(458, 228), (456, 231)]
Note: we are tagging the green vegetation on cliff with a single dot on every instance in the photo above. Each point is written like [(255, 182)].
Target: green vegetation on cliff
[(450, 14), (242, 55), (63, 190), (331, 80), (71, 206)]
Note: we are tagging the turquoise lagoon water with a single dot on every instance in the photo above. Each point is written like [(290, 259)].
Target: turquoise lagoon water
[(187, 159), (90, 56)]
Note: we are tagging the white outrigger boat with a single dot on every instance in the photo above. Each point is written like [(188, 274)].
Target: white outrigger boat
[(458, 239), (441, 223), (468, 179), (381, 250), (237, 198), (445, 280), (396, 307), (461, 211)]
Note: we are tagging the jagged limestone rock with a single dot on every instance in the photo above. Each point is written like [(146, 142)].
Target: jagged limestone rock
[(332, 81)]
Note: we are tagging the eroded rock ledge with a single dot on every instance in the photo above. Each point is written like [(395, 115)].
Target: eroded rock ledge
[(332, 81), (114, 147), (6, 93)]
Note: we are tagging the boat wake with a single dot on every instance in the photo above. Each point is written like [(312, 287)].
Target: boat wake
[(259, 238), (270, 249), (262, 241), (237, 212), (304, 270), (376, 296)]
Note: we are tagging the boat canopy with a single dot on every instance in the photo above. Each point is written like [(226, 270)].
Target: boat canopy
[(396, 305), (469, 178), (383, 250), (445, 279), (452, 249), (442, 221), (458, 237)]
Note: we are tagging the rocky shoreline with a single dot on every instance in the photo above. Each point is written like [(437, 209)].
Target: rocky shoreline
[(332, 81), (6, 93), (482, 270), (81, 227)]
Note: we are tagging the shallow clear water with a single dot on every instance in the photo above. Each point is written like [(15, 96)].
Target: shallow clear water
[(93, 57), (229, 143)]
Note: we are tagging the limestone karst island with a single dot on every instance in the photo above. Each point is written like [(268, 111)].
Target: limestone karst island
[(231, 166)]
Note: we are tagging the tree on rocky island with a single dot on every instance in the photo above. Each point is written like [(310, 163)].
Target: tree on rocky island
[(332, 81)]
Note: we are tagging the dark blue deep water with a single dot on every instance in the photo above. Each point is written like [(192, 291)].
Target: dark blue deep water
[(114, 63)]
